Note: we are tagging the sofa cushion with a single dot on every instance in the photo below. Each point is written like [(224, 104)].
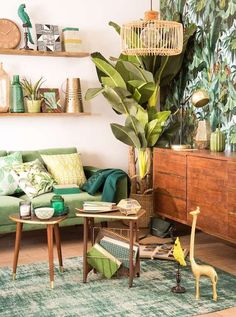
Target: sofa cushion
[(8, 185), (33, 178), (29, 156), (8, 205), (65, 168), (72, 201)]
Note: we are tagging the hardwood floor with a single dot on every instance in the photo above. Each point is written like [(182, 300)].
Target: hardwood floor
[(34, 249)]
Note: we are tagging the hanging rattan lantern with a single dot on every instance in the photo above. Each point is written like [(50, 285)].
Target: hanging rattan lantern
[(152, 36)]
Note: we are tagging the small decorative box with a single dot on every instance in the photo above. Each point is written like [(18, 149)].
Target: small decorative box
[(71, 40)]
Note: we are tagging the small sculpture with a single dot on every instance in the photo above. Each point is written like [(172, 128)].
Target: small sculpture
[(199, 270), (26, 25), (179, 257)]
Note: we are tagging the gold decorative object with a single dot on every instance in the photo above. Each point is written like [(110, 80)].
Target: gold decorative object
[(152, 36), (201, 270), (203, 135), (73, 98), (200, 98)]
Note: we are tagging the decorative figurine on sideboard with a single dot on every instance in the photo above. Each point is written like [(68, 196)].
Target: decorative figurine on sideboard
[(26, 25), (179, 256), (199, 270)]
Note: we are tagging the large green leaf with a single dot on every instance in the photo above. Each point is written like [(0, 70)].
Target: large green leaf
[(110, 71), (107, 81), (142, 115), (139, 130), (99, 72), (153, 132), (137, 72), (125, 135), (115, 26), (93, 92), (119, 100)]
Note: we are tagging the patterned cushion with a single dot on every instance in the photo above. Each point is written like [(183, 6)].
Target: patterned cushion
[(33, 178), (8, 185), (65, 168)]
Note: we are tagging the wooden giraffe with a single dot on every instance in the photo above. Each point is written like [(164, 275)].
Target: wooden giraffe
[(199, 270)]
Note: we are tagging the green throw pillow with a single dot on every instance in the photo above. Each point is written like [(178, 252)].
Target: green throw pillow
[(33, 178), (8, 185)]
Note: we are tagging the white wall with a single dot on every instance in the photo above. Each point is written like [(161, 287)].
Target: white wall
[(92, 134)]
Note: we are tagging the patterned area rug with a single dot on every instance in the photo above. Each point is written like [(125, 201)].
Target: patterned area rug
[(30, 294)]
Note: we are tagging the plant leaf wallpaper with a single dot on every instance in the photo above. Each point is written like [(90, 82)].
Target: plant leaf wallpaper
[(210, 62)]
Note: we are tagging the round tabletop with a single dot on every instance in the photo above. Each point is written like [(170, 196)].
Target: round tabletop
[(36, 221)]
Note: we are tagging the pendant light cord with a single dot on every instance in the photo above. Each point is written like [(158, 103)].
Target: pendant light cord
[(151, 4)]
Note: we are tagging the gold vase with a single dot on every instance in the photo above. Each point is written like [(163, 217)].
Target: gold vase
[(73, 97)]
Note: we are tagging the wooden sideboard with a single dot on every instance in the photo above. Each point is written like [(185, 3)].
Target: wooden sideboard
[(185, 180)]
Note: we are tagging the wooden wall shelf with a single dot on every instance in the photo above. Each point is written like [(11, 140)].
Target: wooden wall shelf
[(43, 114), (41, 53)]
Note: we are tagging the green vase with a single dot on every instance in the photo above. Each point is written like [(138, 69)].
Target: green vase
[(17, 98), (217, 141)]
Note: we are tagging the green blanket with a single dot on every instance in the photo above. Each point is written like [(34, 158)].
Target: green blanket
[(105, 180)]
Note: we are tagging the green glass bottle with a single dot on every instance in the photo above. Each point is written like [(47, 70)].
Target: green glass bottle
[(217, 141), (17, 98)]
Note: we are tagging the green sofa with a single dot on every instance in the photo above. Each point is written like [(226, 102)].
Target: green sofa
[(10, 204)]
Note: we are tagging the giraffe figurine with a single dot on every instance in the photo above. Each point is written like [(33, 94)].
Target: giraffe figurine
[(199, 270)]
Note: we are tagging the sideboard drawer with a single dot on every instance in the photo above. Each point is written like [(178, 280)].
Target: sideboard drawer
[(169, 162), (232, 225)]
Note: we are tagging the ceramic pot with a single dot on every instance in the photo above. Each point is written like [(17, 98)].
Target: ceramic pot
[(34, 105), (217, 141), (203, 135)]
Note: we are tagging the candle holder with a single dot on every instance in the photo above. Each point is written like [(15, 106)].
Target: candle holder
[(178, 288), (57, 203), (25, 208)]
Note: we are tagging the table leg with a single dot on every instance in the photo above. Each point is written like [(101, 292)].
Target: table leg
[(131, 244), (85, 247), (137, 264), (58, 243), (50, 253), (19, 227)]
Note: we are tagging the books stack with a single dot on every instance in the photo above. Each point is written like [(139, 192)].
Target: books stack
[(103, 261), (110, 252), (119, 249), (98, 206)]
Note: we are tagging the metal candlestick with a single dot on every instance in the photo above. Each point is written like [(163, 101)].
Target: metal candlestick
[(178, 288), (26, 39)]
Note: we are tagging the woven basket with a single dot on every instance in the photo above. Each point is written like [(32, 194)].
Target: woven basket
[(146, 202)]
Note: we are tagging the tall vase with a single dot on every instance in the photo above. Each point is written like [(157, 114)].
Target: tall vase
[(217, 141), (202, 138)]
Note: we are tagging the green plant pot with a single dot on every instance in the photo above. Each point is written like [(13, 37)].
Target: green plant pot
[(217, 141), (34, 106)]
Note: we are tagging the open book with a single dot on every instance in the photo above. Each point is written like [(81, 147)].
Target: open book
[(154, 251)]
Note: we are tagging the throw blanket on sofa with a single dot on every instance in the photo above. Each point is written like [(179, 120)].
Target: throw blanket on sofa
[(105, 180)]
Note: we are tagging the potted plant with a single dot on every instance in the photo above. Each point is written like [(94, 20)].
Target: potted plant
[(31, 92), (131, 84)]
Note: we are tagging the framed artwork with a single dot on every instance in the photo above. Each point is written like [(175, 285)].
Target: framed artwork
[(48, 37), (51, 100)]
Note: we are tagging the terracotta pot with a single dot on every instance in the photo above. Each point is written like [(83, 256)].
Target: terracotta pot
[(34, 106)]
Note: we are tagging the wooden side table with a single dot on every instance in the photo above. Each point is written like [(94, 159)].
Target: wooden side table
[(52, 225), (134, 268)]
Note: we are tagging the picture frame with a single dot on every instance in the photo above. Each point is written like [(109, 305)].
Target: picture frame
[(51, 100), (48, 38)]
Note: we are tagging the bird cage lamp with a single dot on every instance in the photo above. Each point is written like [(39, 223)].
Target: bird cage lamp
[(152, 36)]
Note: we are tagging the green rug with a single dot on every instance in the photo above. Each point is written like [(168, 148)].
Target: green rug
[(30, 294)]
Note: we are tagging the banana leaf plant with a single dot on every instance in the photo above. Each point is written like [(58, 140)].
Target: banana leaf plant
[(131, 85)]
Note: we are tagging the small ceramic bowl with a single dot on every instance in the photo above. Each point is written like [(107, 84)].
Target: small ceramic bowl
[(44, 212)]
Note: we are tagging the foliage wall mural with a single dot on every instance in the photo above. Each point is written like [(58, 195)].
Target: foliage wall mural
[(211, 61)]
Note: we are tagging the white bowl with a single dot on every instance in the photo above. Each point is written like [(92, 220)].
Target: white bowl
[(44, 212)]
